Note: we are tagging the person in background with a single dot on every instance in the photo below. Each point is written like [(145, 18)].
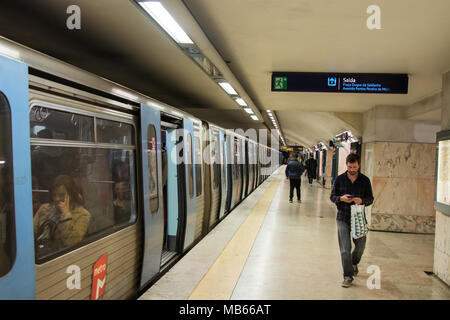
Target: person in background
[(311, 165), (349, 188), (64, 221), (294, 171), (122, 204)]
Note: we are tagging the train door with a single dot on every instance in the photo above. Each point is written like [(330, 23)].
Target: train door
[(152, 191), (190, 188), (249, 174), (171, 142), (17, 264), (223, 175)]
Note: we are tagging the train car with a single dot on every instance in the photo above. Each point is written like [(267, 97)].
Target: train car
[(102, 188)]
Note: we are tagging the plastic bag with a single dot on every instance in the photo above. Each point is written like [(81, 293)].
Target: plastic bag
[(358, 221)]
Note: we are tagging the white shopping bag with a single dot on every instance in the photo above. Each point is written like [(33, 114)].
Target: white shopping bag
[(358, 221)]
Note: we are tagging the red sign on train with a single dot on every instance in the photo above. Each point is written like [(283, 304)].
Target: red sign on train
[(99, 278)]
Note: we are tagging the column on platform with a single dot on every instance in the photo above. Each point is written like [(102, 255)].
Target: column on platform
[(399, 158)]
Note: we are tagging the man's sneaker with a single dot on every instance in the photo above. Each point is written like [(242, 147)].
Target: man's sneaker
[(290, 200), (348, 281), (355, 270), (299, 201)]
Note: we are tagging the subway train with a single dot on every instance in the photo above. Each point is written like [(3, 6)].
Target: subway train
[(94, 202)]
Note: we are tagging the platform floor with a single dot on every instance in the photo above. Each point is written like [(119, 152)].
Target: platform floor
[(268, 248)]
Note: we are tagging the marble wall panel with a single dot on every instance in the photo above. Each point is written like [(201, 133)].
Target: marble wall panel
[(426, 168), (425, 197), (402, 223), (382, 194), (403, 186), (404, 196)]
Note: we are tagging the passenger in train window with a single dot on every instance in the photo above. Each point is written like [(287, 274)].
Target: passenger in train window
[(122, 202), (64, 221)]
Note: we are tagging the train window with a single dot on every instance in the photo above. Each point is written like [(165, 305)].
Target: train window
[(7, 221), (190, 165), (152, 168), (83, 191), (78, 193), (48, 123), (114, 132), (198, 166)]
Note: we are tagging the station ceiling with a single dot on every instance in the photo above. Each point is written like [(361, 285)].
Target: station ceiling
[(248, 40)]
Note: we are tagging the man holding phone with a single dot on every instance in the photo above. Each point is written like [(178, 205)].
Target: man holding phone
[(351, 187)]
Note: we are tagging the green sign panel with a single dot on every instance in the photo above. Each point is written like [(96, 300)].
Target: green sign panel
[(280, 83)]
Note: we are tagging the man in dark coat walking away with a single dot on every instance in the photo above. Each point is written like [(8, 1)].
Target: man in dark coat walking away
[(294, 171), (311, 166)]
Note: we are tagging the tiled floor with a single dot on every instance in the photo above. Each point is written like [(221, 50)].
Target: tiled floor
[(295, 255)]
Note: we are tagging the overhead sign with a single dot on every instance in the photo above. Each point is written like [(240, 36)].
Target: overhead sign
[(340, 82)]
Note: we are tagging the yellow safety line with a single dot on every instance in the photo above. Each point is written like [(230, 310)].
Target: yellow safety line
[(220, 280)]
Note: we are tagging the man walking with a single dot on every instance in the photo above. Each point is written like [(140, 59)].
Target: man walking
[(311, 166), (349, 188), (294, 171)]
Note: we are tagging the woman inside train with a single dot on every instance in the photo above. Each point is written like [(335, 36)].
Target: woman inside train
[(64, 221)]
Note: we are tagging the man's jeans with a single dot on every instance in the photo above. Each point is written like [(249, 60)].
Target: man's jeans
[(348, 257), (294, 183)]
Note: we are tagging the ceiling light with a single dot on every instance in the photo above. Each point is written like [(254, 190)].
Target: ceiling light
[(166, 21), (254, 117), (268, 111), (248, 110), (227, 87), (241, 102)]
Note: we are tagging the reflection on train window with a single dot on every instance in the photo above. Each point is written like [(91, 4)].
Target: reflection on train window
[(7, 221), (198, 166), (190, 165), (80, 192), (152, 169), (114, 132), (48, 123)]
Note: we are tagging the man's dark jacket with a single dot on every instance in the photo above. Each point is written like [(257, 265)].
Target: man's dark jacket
[(361, 188), (294, 169)]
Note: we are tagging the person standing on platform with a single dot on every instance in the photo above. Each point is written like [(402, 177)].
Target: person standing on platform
[(311, 166), (294, 171), (351, 187)]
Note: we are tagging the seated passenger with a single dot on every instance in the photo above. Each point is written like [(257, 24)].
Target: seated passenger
[(122, 203), (63, 222)]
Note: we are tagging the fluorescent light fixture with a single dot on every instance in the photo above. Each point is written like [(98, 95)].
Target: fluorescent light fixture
[(2, 161), (241, 102), (166, 21), (227, 87), (254, 117), (248, 110), (124, 94)]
